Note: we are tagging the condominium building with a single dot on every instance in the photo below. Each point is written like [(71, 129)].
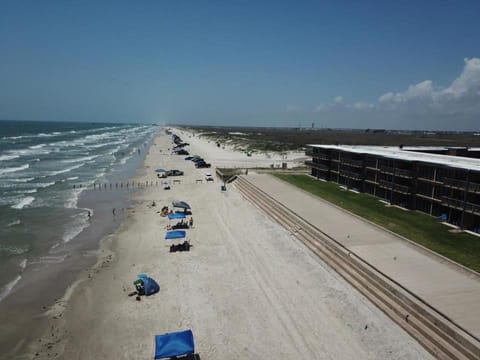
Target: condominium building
[(442, 182)]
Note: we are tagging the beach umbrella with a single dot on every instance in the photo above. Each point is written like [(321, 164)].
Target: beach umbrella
[(175, 234), (173, 216), (160, 170), (181, 204)]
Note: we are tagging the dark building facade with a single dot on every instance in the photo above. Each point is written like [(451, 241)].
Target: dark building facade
[(439, 185)]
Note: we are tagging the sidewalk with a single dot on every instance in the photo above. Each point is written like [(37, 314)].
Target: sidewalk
[(452, 291)]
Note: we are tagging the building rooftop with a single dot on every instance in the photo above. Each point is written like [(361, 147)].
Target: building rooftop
[(409, 154)]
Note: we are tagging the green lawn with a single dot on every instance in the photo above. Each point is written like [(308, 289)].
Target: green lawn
[(420, 228)]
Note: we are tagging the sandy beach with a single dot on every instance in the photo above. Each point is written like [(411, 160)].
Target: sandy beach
[(247, 288)]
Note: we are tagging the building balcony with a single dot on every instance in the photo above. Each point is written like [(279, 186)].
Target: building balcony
[(431, 181), (398, 172), (462, 185), (352, 163), (428, 197), (318, 166), (350, 175), (394, 187), (460, 204), (320, 157)]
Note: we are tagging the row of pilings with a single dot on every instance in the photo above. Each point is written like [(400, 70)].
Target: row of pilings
[(128, 185)]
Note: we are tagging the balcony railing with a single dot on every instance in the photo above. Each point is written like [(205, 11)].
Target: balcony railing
[(395, 187), (351, 162), (315, 165), (320, 156), (398, 172), (350, 175), (461, 185), (403, 173), (459, 204)]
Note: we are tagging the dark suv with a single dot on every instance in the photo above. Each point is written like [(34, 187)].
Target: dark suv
[(174, 173), (202, 164)]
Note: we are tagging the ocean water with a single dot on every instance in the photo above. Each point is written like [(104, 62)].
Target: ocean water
[(42, 165)]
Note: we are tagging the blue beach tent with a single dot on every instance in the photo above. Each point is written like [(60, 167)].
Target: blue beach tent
[(174, 344), (176, 216), (150, 286), (175, 234)]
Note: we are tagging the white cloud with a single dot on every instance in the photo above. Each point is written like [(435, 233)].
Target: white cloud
[(423, 90), (360, 105), (461, 96), (456, 106)]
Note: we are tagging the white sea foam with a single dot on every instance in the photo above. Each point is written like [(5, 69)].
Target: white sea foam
[(96, 146), (13, 250), (72, 178), (65, 170), (72, 200), (29, 152), (22, 180), (7, 289), (80, 159), (13, 223), (8, 157), (25, 191), (23, 264), (74, 230), (14, 169), (44, 185), (124, 160), (113, 151), (12, 137), (39, 146), (24, 202), (49, 259)]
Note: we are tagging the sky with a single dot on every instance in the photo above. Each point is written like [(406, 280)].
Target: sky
[(337, 64)]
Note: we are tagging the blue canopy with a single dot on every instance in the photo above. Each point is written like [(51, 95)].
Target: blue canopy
[(176, 216), (151, 287), (175, 234), (160, 170), (174, 344)]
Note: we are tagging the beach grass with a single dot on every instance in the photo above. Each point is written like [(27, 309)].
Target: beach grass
[(418, 227)]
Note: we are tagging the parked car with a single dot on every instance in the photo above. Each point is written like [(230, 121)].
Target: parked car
[(197, 159), (166, 185), (182, 152), (208, 177), (202, 164), (174, 173)]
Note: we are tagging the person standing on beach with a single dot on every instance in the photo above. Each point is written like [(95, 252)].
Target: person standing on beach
[(190, 223), (113, 211)]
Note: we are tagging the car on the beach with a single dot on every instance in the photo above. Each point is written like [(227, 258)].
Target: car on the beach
[(197, 159), (191, 157), (174, 173), (208, 177), (182, 152), (166, 185), (202, 164)]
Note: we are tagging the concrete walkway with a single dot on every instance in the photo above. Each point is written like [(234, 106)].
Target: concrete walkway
[(451, 290)]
